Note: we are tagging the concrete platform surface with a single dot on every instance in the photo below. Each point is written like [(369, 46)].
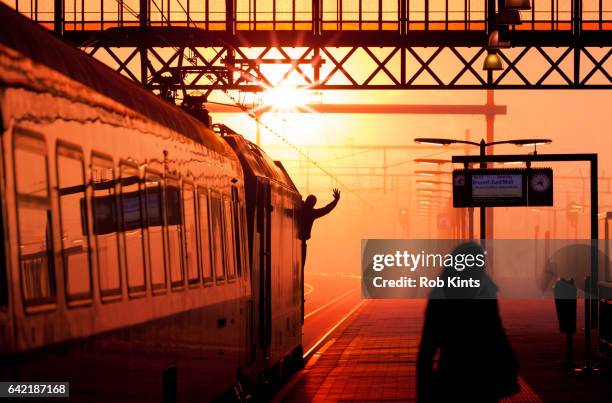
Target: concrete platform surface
[(371, 357)]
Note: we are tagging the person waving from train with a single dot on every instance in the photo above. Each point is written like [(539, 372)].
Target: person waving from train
[(309, 213)]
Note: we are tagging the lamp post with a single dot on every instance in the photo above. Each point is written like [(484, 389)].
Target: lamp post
[(482, 146)]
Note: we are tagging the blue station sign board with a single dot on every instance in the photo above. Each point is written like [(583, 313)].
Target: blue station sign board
[(501, 187)]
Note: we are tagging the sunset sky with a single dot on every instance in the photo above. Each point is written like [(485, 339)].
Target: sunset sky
[(577, 121)]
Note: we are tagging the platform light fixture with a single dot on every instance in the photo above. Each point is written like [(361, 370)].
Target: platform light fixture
[(425, 173), (516, 142), (433, 141), (430, 173), (517, 4), (430, 161), (435, 198), (508, 17), (531, 142), (496, 43), (428, 182), (428, 191), (492, 62)]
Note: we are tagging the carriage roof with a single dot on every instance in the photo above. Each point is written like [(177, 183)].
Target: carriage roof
[(42, 47)]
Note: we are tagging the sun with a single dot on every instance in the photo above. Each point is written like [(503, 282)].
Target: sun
[(285, 99)]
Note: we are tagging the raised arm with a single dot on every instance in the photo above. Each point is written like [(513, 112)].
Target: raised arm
[(320, 212)]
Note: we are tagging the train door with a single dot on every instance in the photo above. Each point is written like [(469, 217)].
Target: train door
[(242, 266), (263, 204), (6, 337)]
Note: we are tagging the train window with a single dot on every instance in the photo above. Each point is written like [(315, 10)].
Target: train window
[(132, 224), (33, 218), (205, 246), (155, 230), (104, 209), (244, 238), (237, 226), (173, 228), (191, 238), (73, 222), (297, 262), (216, 246), (230, 250)]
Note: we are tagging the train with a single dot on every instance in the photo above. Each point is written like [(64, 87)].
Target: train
[(144, 255)]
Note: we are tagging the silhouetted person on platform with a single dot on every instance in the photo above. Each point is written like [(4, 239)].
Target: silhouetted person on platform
[(462, 326), (307, 216)]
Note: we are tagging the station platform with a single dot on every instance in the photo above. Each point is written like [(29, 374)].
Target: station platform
[(371, 356)]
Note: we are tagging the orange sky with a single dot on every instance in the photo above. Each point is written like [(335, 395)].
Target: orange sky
[(576, 121)]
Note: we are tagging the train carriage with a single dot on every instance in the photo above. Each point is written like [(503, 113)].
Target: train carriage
[(127, 237), (277, 276)]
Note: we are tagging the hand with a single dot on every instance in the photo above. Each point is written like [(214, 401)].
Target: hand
[(336, 193)]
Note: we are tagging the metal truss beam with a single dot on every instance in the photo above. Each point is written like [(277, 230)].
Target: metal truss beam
[(386, 109), (252, 69), (185, 36)]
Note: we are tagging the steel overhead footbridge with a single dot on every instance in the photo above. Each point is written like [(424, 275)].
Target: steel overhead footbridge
[(250, 45)]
